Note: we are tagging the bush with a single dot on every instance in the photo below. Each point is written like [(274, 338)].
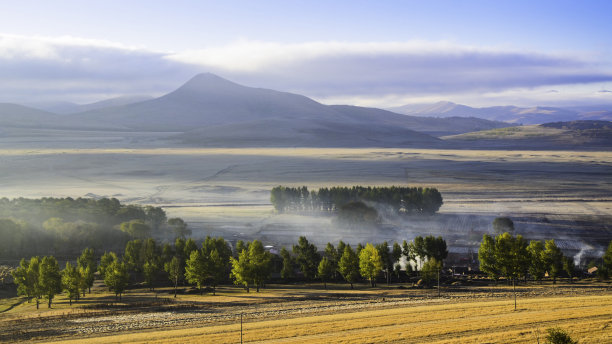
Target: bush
[(559, 336)]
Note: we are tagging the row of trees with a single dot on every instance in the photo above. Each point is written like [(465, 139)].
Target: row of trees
[(250, 265), (41, 278), (394, 199)]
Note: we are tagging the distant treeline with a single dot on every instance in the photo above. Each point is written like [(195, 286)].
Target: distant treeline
[(396, 199), (63, 226)]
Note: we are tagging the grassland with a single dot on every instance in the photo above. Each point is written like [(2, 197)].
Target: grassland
[(478, 313)]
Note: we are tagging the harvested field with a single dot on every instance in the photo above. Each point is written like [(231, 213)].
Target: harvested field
[(309, 314)]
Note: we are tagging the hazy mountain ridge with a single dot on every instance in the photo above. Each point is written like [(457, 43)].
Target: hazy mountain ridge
[(509, 114)]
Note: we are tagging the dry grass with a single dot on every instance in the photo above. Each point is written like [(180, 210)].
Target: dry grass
[(586, 318)]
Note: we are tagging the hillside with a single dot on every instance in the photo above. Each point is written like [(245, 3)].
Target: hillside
[(509, 114), (554, 135)]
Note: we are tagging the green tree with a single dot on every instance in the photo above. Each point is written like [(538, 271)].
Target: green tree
[(503, 224), (307, 258), (349, 265), (150, 271), (107, 259), (174, 270), (435, 248), (252, 266), (179, 227), (386, 258), (569, 267), (512, 258), (116, 277), (333, 257), (431, 271), (132, 255), (26, 279), (487, 257), (136, 228), (607, 258), (86, 265), (195, 269), (50, 279), (559, 336), (287, 271), (216, 268), (537, 265), (554, 259), (370, 263), (71, 282), (154, 216), (396, 256), (325, 270)]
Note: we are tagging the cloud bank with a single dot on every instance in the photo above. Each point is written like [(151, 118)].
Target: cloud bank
[(70, 68)]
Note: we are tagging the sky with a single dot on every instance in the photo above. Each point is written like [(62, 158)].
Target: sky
[(368, 53)]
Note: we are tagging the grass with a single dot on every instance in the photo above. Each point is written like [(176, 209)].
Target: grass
[(586, 318)]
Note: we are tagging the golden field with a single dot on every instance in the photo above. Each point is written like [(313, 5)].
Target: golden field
[(586, 318)]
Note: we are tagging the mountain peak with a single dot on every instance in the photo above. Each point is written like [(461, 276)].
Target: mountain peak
[(205, 81)]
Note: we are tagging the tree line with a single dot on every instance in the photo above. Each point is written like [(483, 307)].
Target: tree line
[(65, 226), (394, 199), (213, 262)]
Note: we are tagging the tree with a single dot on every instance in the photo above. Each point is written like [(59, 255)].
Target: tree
[(252, 266), (554, 259), (71, 282), (511, 258), (435, 248), (86, 266), (173, 268), (26, 278), (370, 263), (559, 336), (537, 266), (307, 257), (195, 269), (107, 259), (116, 277), (325, 270), (333, 257), (487, 257), (607, 258), (49, 278), (179, 227), (133, 255), (569, 267), (136, 228), (396, 256), (287, 271), (386, 258), (216, 268), (358, 214), (418, 251), (349, 265), (150, 270), (154, 216), (431, 270), (503, 224)]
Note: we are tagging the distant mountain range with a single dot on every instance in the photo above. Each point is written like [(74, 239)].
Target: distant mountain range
[(211, 111), (509, 114)]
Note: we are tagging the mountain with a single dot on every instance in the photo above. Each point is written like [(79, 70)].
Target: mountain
[(65, 108), (582, 133), (13, 115), (509, 114)]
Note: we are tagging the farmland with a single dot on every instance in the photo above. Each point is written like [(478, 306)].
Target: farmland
[(309, 314)]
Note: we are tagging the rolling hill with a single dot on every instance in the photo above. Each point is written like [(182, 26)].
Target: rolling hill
[(509, 114), (587, 133)]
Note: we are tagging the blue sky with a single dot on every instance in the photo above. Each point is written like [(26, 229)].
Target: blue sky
[(374, 53)]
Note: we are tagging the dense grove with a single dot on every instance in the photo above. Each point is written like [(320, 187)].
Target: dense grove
[(393, 199), (63, 226)]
